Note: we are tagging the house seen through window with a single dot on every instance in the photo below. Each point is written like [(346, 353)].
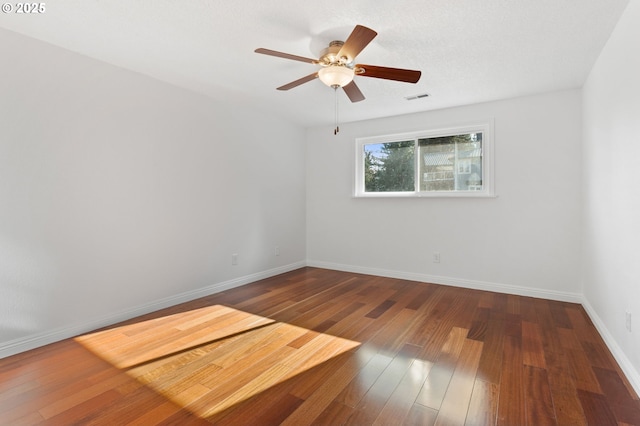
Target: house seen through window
[(433, 163)]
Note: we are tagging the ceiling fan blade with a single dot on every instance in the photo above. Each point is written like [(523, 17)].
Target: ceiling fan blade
[(353, 92), (359, 38), (285, 55), (398, 74), (299, 81)]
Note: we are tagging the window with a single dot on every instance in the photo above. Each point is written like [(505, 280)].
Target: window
[(454, 161)]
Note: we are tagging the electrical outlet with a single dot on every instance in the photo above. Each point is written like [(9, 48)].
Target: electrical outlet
[(628, 320), (276, 251), (436, 257), (234, 259)]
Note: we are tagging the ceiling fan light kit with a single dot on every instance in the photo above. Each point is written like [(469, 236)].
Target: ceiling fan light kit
[(336, 75), (338, 68)]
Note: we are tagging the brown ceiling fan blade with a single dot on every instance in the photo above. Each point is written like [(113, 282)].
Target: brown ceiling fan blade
[(285, 55), (359, 38), (398, 74), (299, 81), (353, 92)]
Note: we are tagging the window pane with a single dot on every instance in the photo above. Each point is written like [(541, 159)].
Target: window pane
[(451, 163), (389, 167)]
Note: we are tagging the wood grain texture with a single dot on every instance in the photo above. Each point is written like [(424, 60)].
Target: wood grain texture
[(321, 347)]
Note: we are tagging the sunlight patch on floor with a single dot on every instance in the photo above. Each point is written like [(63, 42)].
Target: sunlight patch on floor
[(141, 342), (210, 359)]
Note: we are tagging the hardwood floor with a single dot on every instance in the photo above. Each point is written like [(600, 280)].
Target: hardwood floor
[(323, 347)]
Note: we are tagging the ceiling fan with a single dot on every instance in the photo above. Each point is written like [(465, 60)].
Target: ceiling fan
[(338, 67)]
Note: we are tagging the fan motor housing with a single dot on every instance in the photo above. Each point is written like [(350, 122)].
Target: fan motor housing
[(329, 55)]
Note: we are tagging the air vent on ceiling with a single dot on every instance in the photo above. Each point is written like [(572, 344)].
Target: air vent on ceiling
[(411, 98)]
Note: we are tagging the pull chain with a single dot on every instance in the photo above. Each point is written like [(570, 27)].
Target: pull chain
[(335, 92)]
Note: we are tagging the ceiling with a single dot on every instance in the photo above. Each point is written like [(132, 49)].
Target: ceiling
[(469, 51)]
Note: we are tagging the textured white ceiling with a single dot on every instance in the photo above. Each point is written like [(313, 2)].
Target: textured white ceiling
[(469, 51)]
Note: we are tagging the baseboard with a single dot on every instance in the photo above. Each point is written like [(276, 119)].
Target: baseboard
[(23, 344), (455, 282), (627, 367)]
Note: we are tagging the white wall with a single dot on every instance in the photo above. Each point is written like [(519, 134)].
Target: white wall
[(118, 191), (611, 190), (525, 241)]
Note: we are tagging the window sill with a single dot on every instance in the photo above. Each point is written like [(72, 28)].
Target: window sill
[(440, 194)]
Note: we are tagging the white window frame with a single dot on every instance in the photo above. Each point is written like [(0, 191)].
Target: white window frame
[(485, 127)]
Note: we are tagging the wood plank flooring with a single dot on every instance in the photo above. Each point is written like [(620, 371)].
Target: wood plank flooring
[(323, 347)]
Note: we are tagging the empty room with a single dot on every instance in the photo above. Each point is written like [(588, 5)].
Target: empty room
[(358, 213)]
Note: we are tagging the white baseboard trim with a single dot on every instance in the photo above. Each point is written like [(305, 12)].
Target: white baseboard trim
[(455, 282), (33, 341), (627, 367)]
